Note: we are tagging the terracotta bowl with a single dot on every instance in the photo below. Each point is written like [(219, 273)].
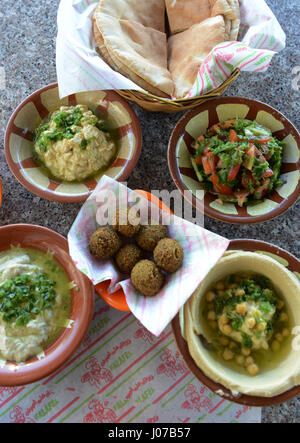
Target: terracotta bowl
[(82, 305), (118, 299), (28, 116), (197, 121), (293, 264)]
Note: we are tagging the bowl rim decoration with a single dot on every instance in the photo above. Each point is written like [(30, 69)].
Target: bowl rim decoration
[(81, 313), (49, 193), (248, 400), (242, 217)]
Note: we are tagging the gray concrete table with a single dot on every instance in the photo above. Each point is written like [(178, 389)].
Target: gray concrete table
[(27, 54)]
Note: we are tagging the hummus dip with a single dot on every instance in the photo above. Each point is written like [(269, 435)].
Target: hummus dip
[(73, 144), (239, 324), (34, 303)]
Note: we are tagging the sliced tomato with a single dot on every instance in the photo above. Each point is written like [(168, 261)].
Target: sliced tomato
[(220, 163), (228, 124), (263, 141), (268, 173), (220, 188), (241, 197), (233, 137), (206, 165), (198, 160), (212, 160), (234, 172)]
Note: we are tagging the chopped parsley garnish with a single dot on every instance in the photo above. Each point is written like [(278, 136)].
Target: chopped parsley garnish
[(26, 296)]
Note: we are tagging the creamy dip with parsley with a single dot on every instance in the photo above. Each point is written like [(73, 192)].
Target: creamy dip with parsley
[(35, 300), (74, 144)]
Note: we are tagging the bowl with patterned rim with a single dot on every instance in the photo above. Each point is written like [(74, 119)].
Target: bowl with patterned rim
[(81, 310), (293, 264), (197, 121), (35, 108)]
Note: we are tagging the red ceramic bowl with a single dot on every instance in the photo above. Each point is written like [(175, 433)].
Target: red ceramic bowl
[(29, 115), (82, 305), (293, 264), (197, 121), (117, 299)]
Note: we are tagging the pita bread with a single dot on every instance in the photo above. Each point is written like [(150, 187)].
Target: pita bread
[(100, 46), (113, 63), (188, 50), (141, 50), (183, 14), (235, 26), (150, 13), (222, 7)]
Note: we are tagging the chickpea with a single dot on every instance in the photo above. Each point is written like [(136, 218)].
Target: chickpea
[(280, 305), (224, 341), (210, 296), (221, 293), (240, 292), (211, 316), (233, 286), (249, 361), (275, 346), (240, 360), (246, 352), (223, 320), (241, 309), (285, 332), (227, 329), (220, 286), (232, 345), (253, 369), (213, 325), (228, 354), (250, 322), (265, 345), (279, 337), (261, 326), (283, 317)]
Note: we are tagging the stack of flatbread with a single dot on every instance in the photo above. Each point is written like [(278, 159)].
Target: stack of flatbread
[(131, 38)]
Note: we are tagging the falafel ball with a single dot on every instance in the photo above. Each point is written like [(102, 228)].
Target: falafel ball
[(127, 257), (149, 235), (147, 278), (168, 255), (126, 221), (105, 243)]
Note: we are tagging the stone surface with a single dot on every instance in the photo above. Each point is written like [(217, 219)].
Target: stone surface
[(27, 53)]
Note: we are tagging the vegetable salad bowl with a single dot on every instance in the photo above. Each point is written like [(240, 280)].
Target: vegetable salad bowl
[(195, 124)]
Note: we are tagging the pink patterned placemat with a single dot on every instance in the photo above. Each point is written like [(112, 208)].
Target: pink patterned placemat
[(121, 374)]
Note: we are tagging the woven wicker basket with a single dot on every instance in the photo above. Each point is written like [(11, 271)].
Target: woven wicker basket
[(158, 104)]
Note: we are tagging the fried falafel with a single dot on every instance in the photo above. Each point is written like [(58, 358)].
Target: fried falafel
[(168, 255), (105, 243), (127, 257), (147, 278), (149, 235), (126, 222)]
